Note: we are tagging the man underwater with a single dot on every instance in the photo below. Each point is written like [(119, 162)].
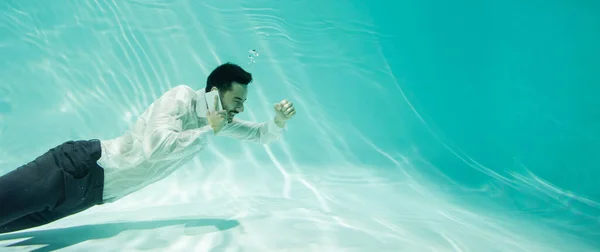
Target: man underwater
[(77, 175)]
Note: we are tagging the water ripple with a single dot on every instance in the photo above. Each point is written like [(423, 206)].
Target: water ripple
[(87, 69)]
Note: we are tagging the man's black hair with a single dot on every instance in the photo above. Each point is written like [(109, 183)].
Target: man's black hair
[(224, 75)]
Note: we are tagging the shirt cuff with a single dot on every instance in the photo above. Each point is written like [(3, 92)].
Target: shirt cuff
[(272, 127), (208, 130)]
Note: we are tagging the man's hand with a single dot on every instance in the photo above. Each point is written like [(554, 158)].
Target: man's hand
[(216, 117), (285, 110)]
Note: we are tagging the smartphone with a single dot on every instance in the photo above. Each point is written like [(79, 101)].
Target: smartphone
[(210, 100)]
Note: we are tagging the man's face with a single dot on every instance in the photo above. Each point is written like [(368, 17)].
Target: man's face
[(233, 100)]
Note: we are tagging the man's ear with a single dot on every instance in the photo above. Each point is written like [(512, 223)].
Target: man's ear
[(214, 89)]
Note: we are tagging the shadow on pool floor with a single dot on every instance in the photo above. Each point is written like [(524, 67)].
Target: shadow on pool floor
[(64, 237)]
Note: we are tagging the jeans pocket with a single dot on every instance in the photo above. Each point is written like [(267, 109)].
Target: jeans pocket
[(77, 192)]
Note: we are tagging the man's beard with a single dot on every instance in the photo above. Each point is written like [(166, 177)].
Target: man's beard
[(230, 116)]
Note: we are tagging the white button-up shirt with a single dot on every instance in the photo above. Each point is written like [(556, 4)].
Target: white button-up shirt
[(166, 136)]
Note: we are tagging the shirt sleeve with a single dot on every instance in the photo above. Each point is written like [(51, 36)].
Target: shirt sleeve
[(164, 136), (263, 133)]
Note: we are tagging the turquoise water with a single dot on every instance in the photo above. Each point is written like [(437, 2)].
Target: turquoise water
[(421, 125)]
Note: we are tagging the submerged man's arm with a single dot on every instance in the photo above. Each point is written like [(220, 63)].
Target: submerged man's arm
[(164, 134), (264, 132)]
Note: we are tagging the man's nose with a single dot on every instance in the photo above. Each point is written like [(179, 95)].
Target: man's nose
[(240, 109)]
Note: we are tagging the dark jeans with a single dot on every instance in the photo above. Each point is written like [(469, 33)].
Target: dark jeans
[(63, 181)]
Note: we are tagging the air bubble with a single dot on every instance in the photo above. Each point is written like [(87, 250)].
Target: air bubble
[(253, 53)]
